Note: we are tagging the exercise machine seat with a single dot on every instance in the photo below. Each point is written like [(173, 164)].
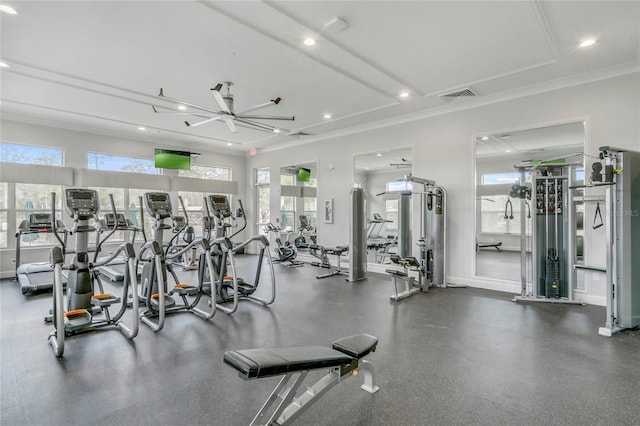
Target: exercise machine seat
[(357, 346)]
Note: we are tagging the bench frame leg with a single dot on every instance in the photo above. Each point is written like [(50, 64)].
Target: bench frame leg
[(289, 407), (409, 288)]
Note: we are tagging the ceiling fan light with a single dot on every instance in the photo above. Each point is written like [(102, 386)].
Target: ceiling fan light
[(8, 9), (587, 43)]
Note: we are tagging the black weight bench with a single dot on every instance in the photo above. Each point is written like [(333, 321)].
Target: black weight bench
[(325, 252), (343, 359)]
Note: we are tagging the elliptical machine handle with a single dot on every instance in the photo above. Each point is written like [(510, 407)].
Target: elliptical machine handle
[(99, 242), (144, 234), (244, 218), (54, 224)]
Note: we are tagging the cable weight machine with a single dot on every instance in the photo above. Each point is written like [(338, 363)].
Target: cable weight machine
[(550, 185)]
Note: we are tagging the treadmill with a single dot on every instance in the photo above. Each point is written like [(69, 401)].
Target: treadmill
[(115, 270), (36, 277)]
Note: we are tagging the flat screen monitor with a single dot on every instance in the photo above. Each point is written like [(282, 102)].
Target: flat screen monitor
[(168, 159), (304, 175)]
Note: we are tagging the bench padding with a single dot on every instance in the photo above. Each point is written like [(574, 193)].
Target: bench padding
[(257, 363), (357, 345), (264, 362)]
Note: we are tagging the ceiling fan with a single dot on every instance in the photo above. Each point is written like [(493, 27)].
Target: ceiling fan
[(223, 97)]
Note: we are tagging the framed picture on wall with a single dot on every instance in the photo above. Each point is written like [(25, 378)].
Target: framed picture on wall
[(328, 211)]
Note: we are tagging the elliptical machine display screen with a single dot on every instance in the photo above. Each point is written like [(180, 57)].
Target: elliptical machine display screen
[(82, 203), (219, 205), (158, 204), (39, 221), (119, 219)]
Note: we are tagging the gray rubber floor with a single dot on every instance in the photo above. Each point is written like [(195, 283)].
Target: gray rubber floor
[(449, 357)]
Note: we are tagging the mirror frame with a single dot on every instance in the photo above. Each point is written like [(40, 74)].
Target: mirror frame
[(373, 266), (472, 248)]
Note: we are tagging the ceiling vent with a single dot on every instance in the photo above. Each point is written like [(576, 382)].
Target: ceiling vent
[(465, 93)]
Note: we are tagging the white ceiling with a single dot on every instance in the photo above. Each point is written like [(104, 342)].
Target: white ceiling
[(98, 66)]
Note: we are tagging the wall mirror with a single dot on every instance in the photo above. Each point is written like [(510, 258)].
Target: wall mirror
[(298, 204), (498, 215), (384, 212)]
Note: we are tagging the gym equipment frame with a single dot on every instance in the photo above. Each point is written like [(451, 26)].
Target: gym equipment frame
[(553, 231), (282, 407)]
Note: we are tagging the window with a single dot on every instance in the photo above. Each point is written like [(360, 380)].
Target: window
[(194, 205), (492, 220), (27, 154), (288, 212), (263, 176), (500, 178), (115, 163), (263, 193), (134, 211), (207, 172), (313, 182), (287, 180), (32, 198), (105, 207), (311, 210), (4, 214)]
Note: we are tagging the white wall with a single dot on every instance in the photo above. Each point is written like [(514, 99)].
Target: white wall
[(444, 151), (77, 144)]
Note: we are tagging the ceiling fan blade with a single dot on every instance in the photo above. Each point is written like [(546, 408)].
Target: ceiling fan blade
[(199, 123), (218, 97), (158, 109), (189, 104), (265, 117), (230, 124), (218, 87), (255, 124), (275, 101)]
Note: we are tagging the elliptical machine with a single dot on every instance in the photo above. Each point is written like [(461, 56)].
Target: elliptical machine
[(232, 288), (84, 304), (286, 252), (182, 230), (157, 265)]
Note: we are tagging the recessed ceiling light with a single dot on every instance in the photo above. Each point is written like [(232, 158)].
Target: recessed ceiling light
[(587, 43), (404, 94), (3, 65), (229, 144), (508, 150), (485, 138), (366, 168), (378, 155), (142, 128), (276, 130), (327, 116), (8, 9), (309, 41), (182, 107)]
